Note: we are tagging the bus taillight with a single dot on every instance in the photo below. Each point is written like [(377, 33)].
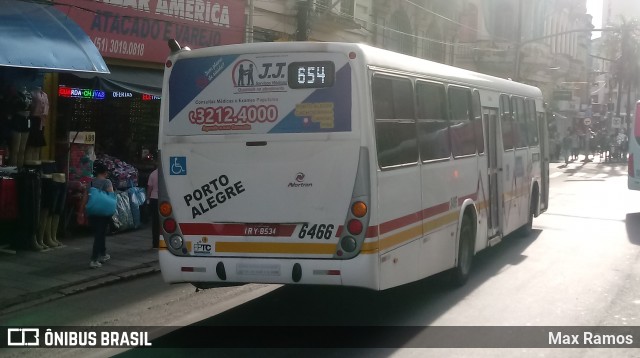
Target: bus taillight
[(165, 209), (169, 226), (354, 227), (359, 209), (632, 172)]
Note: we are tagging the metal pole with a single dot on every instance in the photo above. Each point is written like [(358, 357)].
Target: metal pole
[(250, 22), (516, 71), (304, 8)]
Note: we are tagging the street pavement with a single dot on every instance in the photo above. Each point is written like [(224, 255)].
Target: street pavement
[(596, 168), (29, 278)]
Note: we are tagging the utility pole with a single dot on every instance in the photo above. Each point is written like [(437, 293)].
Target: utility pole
[(518, 46), (304, 25), (250, 21)]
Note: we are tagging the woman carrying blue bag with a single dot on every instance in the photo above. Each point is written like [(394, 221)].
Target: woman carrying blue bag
[(100, 207)]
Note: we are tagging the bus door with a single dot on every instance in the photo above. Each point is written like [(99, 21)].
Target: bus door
[(495, 190), (544, 161)]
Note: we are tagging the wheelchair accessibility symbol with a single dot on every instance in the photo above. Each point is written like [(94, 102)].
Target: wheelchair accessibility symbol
[(178, 165)]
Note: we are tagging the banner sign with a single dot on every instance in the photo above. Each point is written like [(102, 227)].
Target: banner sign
[(259, 94), (139, 29)]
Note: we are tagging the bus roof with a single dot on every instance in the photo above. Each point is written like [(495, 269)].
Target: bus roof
[(381, 58)]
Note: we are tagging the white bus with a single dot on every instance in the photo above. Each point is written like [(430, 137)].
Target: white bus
[(340, 164), (633, 160)]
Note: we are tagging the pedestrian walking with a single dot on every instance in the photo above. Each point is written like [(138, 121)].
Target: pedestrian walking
[(624, 145), (575, 146), (566, 148), (152, 200), (99, 224)]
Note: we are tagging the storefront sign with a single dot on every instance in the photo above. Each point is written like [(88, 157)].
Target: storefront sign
[(121, 94), (149, 97), (69, 92), (139, 30), (82, 137)]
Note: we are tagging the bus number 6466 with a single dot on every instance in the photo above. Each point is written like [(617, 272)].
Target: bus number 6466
[(316, 231)]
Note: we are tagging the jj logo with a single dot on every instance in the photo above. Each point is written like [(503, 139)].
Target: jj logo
[(23, 337), (246, 71)]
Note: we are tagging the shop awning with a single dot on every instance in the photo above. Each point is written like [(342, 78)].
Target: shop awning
[(128, 79), (140, 80), (37, 35)]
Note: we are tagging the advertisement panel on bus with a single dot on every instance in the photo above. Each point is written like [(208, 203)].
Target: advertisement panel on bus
[(258, 94)]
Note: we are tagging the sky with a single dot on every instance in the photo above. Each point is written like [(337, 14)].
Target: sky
[(594, 8)]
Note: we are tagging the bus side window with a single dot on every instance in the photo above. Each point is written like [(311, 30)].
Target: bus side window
[(532, 121), (477, 121), (463, 140), (433, 125), (394, 121), (506, 122), (519, 122)]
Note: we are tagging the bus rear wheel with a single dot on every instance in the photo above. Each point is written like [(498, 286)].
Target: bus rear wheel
[(527, 228), (460, 274)]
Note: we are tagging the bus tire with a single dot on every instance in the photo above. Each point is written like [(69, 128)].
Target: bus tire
[(527, 228), (460, 274)]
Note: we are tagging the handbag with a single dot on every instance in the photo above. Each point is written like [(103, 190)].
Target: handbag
[(100, 203)]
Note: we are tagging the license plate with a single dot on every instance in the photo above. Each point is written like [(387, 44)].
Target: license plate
[(261, 230)]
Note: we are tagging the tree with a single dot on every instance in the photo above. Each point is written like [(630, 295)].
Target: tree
[(625, 71)]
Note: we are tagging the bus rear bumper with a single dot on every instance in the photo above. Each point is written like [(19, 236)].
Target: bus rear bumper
[(360, 271)]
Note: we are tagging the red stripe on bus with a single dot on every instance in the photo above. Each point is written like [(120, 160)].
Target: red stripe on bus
[(288, 229), (400, 222), (228, 229), (435, 210), (372, 231)]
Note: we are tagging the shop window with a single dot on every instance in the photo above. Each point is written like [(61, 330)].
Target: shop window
[(125, 123)]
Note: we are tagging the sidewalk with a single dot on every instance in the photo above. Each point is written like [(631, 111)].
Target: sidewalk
[(29, 278)]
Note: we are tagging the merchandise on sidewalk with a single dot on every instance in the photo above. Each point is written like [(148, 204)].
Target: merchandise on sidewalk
[(123, 218), (137, 197), (121, 174)]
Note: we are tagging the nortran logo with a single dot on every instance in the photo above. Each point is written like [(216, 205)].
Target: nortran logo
[(299, 182)]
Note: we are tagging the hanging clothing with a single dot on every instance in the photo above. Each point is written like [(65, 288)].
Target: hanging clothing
[(39, 105)]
